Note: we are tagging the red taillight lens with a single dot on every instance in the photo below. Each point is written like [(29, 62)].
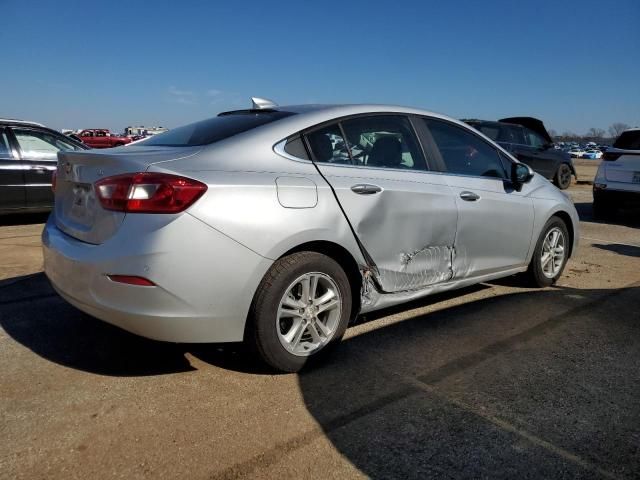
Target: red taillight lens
[(148, 193), (54, 179), (132, 280)]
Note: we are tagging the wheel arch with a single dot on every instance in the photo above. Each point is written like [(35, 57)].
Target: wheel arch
[(344, 258), (566, 218)]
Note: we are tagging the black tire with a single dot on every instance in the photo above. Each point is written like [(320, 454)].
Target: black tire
[(262, 335), (562, 178), (535, 274)]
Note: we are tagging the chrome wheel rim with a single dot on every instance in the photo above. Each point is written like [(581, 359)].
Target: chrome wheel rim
[(553, 252), (308, 314)]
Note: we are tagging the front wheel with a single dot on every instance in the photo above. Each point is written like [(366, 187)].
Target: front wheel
[(301, 307), (551, 254), (563, 176)]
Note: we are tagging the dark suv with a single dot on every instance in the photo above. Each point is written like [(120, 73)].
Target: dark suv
[(528, 140), (28, 158)]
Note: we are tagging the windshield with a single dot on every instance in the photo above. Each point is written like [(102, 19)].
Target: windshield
[(214, 129)]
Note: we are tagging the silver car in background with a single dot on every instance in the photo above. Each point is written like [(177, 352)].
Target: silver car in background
[(278, 225)]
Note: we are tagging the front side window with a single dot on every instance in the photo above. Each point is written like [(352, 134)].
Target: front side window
[(383, 141), (533, 139), (36, 144), (463, 152)]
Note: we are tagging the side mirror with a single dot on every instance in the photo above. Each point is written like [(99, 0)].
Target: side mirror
[(520, 174)]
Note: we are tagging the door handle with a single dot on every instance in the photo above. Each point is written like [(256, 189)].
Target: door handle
[(366, 189), (469, 196), (39, 169)]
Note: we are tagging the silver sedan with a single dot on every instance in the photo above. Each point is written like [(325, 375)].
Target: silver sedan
[(277, 226)]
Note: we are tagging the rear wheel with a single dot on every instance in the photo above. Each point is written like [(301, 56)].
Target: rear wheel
[(551, 254), (562, 178), (301, 307)]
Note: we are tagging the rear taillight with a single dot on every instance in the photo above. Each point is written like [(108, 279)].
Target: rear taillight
[(54, 179), (148, 193), (610, 156)]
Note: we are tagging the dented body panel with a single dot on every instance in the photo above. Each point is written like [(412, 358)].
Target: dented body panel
[(408, 229)]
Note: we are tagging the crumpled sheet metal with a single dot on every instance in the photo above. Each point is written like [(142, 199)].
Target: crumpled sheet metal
[(416, 270)]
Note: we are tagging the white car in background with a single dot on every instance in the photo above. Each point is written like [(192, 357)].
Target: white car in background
[(617, 183), (576, 152)]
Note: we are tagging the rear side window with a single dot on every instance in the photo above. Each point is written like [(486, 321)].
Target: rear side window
[(463, 152), (628, 140), (512, 134), (534, 139), (214, 129), (328, 145), (295, 147), (383, 141)]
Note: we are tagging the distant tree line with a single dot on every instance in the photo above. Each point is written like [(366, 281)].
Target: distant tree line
[(597, 135)]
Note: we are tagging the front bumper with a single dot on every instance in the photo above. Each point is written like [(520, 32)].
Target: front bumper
[(205, 281)]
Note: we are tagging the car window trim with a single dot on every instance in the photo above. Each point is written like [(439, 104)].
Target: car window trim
[(470, 130)]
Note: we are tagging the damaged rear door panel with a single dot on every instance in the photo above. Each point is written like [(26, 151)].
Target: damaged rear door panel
[(403, 216)]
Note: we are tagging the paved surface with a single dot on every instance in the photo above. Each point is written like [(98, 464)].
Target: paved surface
[(491, 381)]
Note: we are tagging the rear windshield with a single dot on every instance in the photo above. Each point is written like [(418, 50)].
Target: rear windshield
[(628, 140), (214, 129)]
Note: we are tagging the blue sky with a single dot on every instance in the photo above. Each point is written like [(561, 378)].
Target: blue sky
[(574, 64)]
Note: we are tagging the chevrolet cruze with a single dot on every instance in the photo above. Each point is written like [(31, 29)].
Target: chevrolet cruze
[(278, 225)]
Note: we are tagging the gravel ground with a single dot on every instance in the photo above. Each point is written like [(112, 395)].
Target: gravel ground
[(496, 380)]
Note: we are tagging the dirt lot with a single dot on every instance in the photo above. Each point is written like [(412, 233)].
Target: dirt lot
[(491, 381)]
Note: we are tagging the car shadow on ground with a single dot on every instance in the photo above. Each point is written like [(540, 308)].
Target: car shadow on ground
[(480, 390), (627, 217), (628, 250), (23, 219)]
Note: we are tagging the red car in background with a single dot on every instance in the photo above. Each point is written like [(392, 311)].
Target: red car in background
[(102, 138)]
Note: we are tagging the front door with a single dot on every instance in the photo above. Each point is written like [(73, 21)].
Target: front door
[(12, 194), (495, 222), (403, 216)]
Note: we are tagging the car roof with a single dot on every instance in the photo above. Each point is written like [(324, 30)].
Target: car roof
[(19, 122)]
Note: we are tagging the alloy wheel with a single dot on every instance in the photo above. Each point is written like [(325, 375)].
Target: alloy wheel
[(553, 252), (309, 314)]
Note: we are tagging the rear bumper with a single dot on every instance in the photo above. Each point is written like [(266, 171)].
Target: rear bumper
[(204, 280), (617, 197)]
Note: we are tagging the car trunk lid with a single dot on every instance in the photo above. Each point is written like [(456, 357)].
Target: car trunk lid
[(531, 123), (78, 211)]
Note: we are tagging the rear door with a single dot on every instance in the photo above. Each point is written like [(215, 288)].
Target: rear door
[(38, 150), (495, 222), (12, 194), (403, 215)]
